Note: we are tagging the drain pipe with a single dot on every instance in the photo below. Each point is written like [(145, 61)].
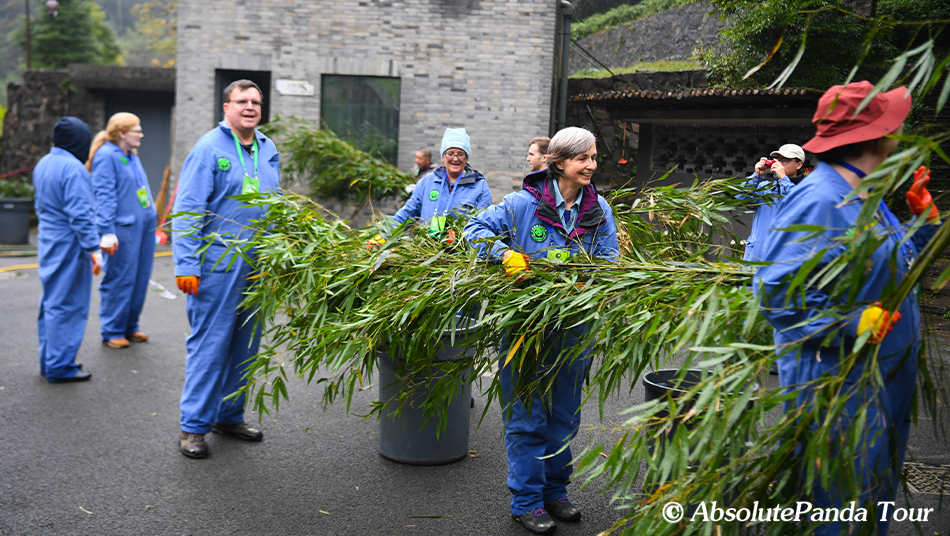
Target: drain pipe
[(567, 12)]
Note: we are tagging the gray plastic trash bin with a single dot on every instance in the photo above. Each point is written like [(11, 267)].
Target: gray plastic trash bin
[(403, 438), (15, 220)]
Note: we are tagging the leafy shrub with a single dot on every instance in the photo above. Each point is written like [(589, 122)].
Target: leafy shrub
[(15, 187)]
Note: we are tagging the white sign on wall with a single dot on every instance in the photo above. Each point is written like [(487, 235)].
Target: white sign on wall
[(299, 88)]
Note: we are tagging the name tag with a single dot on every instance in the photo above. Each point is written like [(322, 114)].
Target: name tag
[(143, 197), (251, 185), (436, 226), (559, 255)]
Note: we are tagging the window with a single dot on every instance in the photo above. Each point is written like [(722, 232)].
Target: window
[(223, 77), (363, 110)]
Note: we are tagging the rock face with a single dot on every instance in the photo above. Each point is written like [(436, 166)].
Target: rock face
[(670, 35), (35, 106)]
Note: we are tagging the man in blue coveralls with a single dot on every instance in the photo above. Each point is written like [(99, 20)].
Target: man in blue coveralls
[(67, 241), (775, 177), (231, 159)]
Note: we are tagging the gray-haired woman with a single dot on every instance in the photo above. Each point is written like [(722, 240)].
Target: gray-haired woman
[(558, 214)]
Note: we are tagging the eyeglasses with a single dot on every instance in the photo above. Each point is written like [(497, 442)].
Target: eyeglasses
[(456, 156), (782, 160), (245, 103)]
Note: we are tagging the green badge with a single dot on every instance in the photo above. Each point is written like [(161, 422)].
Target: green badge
[(142, 194), (433, 195), (559, 255), (538, 233), (251, 185), (224, 164), (436, 226), (125, 160)]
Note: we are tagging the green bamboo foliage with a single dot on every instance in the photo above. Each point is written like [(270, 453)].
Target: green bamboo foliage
[(333, 169), (328, 304)]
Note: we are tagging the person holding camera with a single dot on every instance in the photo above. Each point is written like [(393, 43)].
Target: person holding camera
[(773, 178)]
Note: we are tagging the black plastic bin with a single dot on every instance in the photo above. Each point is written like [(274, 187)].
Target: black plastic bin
[(15, 220), (404, 438)]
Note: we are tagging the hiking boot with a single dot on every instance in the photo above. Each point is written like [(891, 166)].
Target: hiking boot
[(537, 521), (563, 509), (192, 445)]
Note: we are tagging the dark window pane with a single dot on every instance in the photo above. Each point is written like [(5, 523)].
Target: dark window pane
[(363, 110)]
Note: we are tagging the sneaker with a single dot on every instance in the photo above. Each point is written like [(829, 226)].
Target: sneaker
[(537, 521), (563, 509), (192, 445)]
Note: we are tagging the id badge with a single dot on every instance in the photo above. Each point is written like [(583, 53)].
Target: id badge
[(143, 197), (436, 225), (559, 255), (251, 185)]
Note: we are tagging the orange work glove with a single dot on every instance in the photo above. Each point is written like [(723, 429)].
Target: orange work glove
[(96, 262), (879, 321), (514, 262), (188, 284), (919, 198), (450, 236)]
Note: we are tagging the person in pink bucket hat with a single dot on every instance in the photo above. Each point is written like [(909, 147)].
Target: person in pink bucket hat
[(849, 143)]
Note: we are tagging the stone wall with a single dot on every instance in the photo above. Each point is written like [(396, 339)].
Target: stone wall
[(35, 104), (486, 65), (670, 35)]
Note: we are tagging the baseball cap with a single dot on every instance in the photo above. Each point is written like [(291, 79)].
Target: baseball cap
[(837, 124), (790, 150)]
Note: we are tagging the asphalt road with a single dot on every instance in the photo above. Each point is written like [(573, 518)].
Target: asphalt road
[(101, 458)]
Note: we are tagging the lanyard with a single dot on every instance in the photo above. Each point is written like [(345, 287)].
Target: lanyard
[(453, 190), (240, 152), (850, 168)]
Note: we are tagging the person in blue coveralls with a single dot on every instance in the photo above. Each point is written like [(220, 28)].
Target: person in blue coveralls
[(126, 218), (453, 190), (232, 159), (850, 145), (557, 215), (68, 248), (774, 180)]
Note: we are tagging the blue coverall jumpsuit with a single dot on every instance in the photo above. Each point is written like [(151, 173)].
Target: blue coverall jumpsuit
[(222, 334), (815, 201), (67, 236), (432, 197), (764, 212), (530, 223), (119, 180)]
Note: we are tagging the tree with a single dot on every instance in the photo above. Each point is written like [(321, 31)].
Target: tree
[(764, 37), (78, 34), (153, 38)]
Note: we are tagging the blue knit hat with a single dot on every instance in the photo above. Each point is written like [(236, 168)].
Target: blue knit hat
[(456, 138)]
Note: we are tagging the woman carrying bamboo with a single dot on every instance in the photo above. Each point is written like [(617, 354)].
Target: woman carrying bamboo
[(557, 215), (455, 189), (849, 145)]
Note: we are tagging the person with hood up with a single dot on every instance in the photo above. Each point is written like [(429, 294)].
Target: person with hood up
[(126, 217), (454, 189), (557, 215), (67, 242), (233, 158), (851, 141)]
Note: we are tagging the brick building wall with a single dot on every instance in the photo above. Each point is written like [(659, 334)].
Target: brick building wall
[(486, 65)]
